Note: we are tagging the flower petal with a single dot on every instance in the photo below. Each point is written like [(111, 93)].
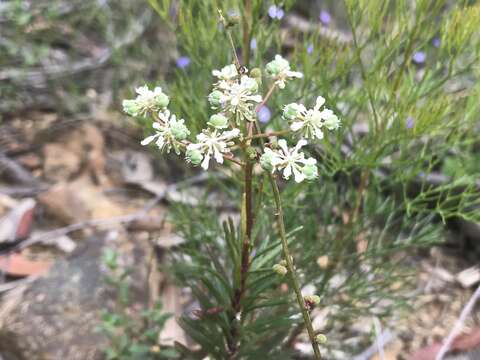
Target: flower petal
[(299, 176), (218, 156), (283, 145), (287, 172), (205, 162), (320, 101), (297, 125), (318, 134), (149, 139)]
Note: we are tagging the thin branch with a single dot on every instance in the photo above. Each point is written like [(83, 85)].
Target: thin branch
[(457, 328), (265, 99), (269, 134), (16, 172), (247, 16), (229, 36), (291, 269), (363, 71), (86, 224)]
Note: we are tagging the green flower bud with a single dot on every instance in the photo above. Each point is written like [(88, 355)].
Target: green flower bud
[(162, 100), (280, 269), (179, 131), (214, 98), (251, 153), (321, 339), (290, 111), (266, 161), (276, 66), (194, 157), (256, 73), (332, 122), (131, 107), (310, 171), (232, 20), (218, 121)]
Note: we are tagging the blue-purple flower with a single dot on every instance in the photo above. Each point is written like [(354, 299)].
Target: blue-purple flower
[(419, 57), (310, 49), (264, 114), (410, 122), (436, 42), (253, 44), (276, 12), (183, 62), (325, 17)]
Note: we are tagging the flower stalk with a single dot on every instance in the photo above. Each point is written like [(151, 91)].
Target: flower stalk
[(291, 270)]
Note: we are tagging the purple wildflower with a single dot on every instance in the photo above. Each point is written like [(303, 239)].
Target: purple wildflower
[(410, 122), (310, 49), (419, 57), (325, 17), (232, 13), (264, 114), (436, 42), (275, 12), (183, 62), (253, 44)]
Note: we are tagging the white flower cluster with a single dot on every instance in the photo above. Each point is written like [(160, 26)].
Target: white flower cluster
[(211, 142), (169, 132), (235, 98), (290, 160), (146, 101), (279, 69), (234, 95), (310, 122)]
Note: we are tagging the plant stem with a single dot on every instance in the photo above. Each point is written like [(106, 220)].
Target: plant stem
[(265, 99), (247, 16), (291, 269), (247, 218), (229, 36), (268, 134)]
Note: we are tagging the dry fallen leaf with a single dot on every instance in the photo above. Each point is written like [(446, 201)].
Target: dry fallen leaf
[(18, 265)]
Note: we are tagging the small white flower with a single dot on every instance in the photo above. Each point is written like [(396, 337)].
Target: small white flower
[(146, 100), (228, 72), (290, 160), (280, 70), (169, 131), (240, 98), (213, 143), (310, 122)]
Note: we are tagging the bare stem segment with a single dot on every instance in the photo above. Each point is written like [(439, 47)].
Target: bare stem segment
[(291, 269)]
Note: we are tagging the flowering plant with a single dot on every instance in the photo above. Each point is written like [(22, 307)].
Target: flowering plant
[(347, 233), (233, 134)]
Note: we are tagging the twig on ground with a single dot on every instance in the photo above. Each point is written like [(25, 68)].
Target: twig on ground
[(86, 224), (305, 26), (15, 171), (384, 337), (457, 328), (379, 340)]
